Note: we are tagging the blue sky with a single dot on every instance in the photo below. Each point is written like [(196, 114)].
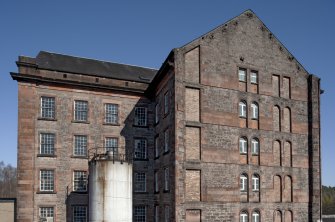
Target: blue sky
[(143, 33)]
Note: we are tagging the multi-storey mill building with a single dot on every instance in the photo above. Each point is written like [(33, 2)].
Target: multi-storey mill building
[(228, 129)]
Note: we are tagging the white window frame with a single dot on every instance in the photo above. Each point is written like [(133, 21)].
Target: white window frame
[(79, 184), (243, 145), (138, 152), (156, 180), (48, 107), (167, 214), (47, 213), (80, 114), (254, 110), (111, 113), (166, 141), (166, 179), (244, 216), (255, 146), (82, 216), (243, 183), (255, 183), (141, 116), (47, 182), (166, 103), (242, 109), (47, 143), (242, 75), (140, 180), (256, 216), (253, 77)]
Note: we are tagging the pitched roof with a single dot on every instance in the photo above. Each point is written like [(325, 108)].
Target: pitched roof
[(72, 64)]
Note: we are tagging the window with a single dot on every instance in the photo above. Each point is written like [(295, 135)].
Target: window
[(48, 107), (80, 110), (157, 113), (79, 213), (254, 111), (79, 181), (244, 183), (156, 182), (255, 146), (244, 216), (254, 77), (166, 141), (140, 149), (255, 216), (167, 214), (242, 75), (242, 109), (80, 146), (111, 144), (157, 146), (47, 180), (140, 182), (140, 116), (166, 179), (47, 214), (47, 143), (166, 102), (243, 145), (255, 182), (111, 113), (140, 214), (156, 213)]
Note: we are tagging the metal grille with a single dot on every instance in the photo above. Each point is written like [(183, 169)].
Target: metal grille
[(80, 110), (80, 146), (111, 113), (140, 182), (140, 149), (47, 143), (139, 214), (48, 107), (111, 144), (46, 180), (140, 116), (79, 213), (79, 181)]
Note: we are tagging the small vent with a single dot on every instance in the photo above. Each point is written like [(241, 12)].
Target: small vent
[(96, 79), (64, 76)]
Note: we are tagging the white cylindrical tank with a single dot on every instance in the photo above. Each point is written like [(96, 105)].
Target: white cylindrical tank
[(110, 191)]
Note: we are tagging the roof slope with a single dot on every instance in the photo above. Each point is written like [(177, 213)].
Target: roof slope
[(66, 63)]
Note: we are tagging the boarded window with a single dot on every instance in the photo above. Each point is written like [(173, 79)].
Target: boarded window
[(276, 118), (275, 85), (277, 216), (192, 185), (193, 215), (192, 104), (276, 153), (192, 140), (286, 93), (192, 67), (287, 161), (277, 188), (287, 194), (287, 120), (288, 216)]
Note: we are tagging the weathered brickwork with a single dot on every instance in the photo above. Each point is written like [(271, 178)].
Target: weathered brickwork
[(205, 159)]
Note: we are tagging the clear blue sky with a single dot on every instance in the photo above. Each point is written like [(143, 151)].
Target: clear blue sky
[(143, 33)]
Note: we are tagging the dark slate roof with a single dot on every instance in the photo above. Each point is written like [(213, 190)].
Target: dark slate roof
[(71, 64)]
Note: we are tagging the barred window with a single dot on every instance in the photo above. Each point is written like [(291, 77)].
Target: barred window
[(80, 145), (140, 214), (243, 145), (140, 182), (111, 113), (111, 144), (47, 143), (244, 183), (80, 110), (166, 179), (255, 146), (140, 116), (46, 214), (166, 102), (255, 182), (79, 213), (254, 77), (167, 214), (48, 107), (46, 180), (242, 75), (79, 181), (140, 148), (166, 141)]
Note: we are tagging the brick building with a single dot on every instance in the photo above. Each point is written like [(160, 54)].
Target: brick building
[(228, 129)]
